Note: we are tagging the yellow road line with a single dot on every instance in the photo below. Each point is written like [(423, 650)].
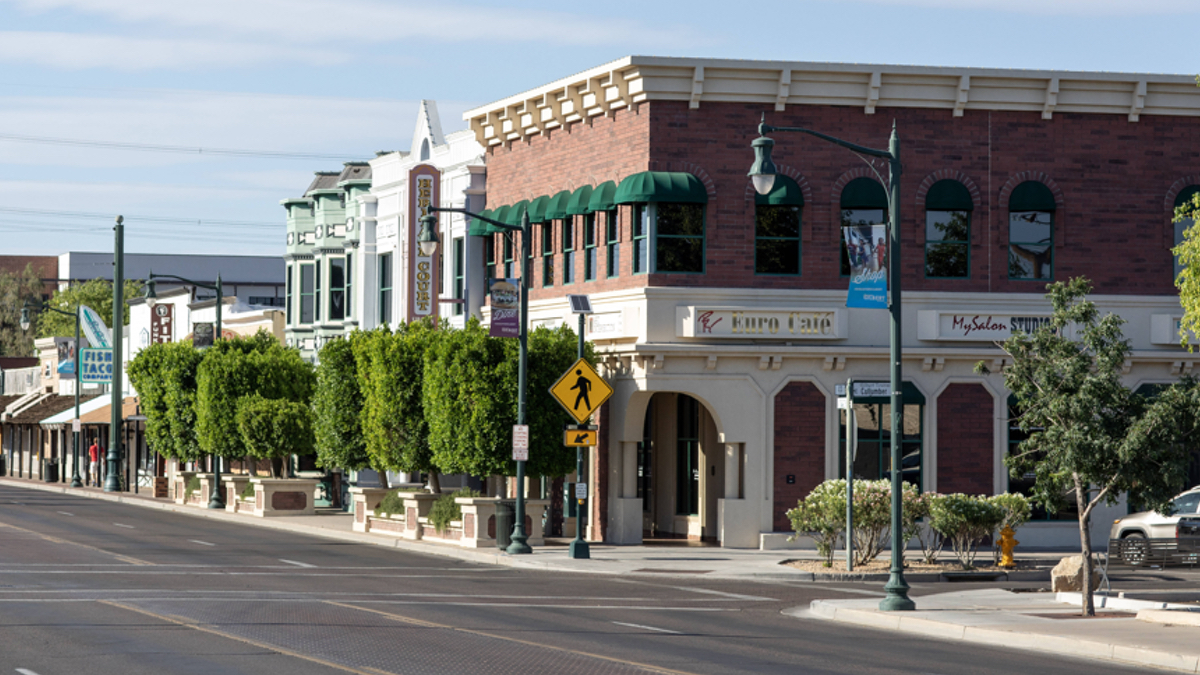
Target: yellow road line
[(57, 540), (261, 645), (430, 624)]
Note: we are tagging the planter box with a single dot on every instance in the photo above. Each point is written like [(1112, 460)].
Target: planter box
[(364, 502), (179, 485), (416, 508), (477, 513), (233, 491), (283, 497)]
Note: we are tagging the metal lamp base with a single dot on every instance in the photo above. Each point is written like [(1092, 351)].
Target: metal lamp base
[(897, 599), (518, 545), (76, 482), (579, 550)]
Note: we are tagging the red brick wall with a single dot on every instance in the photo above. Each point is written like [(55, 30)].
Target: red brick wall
[(965, 455), (1114, 180), (799, 447)]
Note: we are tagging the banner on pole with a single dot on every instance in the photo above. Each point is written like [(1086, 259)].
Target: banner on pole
[(866, 246), (506, 308), (98, 335)]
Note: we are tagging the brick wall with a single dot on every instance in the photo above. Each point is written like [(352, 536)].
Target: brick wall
[(799, 447), (964, 437)]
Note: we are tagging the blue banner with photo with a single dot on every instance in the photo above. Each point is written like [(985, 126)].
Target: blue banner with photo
[(866, 246)]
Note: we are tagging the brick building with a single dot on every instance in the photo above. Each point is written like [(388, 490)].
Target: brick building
[(720, 315)]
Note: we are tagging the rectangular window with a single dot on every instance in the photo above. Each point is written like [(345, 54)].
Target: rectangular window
[(1031, 245), (385, 288), (645, 469), (337, 289), (349, 286), (489, 257), (319, 298), (777, 240), (547, 254), (678, 237), (459, 274), (641, 238), (507, 243), (856, 218), (873, 456), (947, 244), (568, 247), (288, 309), (590, 252), (306, 294), (613, 240), (1024, 484), (687, 457)]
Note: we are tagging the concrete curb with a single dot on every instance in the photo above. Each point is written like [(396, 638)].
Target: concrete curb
[(1172, 617), (915, 623)]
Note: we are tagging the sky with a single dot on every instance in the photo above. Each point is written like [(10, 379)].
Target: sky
[(194, 119)]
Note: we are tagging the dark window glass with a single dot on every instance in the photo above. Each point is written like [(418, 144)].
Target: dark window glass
[(687, 457), (947, 244), (679, 238), (319, 298), (568, 247), (289, 295), (613, 239), (1025, 482), (489, 256), (777, 240), (337, 288), (590, 252), (641, 239), (547, 254), (645, 470), (306, 294), (1031, 245), (459, 274), (855, 218), (508, 256), (349, 285), (873, 456), (385, 288)]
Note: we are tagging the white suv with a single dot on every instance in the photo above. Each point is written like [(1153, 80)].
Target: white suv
[(1153, 525)]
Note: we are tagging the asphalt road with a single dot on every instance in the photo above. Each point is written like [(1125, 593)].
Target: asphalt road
[(100, 588)]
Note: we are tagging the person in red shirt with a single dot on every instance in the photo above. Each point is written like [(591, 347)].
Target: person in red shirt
[(93, 477)]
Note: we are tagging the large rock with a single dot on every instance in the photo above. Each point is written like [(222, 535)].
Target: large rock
[(1067, 575)]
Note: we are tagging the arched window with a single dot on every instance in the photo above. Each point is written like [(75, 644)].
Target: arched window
[(425, 150), (1031, 232), (864, 202), (1185, 197), (777, 228), (948, 209)]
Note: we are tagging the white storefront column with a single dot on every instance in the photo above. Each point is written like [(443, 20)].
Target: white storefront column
[(625, 517), (737, 523)]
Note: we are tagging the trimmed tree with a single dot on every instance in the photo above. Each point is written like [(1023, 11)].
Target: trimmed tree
[(273, 429), (1089, 436), (337, 403), (164, 376)]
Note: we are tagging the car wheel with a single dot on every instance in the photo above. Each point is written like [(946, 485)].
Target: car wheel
[(1134, 549)]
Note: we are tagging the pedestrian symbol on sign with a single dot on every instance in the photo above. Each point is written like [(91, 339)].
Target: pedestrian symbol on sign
[(583, 385)]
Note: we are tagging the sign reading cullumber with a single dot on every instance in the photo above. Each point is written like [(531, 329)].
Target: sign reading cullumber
[(98, 335), (424, 183)]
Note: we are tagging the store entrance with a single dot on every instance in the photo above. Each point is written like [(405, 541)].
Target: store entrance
[(680, 472)]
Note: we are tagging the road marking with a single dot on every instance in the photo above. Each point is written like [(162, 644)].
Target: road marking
[(202, 543), (538, 645), (56, 540), (130, 527), (296, 563), (723, 594), (25, 671), (638, 625), (67, 514)]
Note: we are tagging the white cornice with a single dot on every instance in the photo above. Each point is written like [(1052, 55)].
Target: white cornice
[(633, 79)]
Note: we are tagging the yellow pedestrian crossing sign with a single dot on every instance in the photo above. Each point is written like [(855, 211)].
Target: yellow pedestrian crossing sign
[(581, 390)]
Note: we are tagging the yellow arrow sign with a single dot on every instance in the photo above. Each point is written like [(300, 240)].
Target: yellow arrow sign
[(581, 390), (579, 438)]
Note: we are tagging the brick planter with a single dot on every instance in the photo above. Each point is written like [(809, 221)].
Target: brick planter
[(179, 485), (365, 501), (233, 492), (283, 497)]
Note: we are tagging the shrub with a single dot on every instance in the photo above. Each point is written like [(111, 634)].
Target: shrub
[(872, 518), (445, 509), (1016, 511), (965, 521), (193, 484), (917, 506), (248, 491), (273, 428), (391, 503), (822, 516)]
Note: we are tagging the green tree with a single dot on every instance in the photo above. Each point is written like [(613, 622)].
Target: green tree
[(15, 291), (1188, 281), (164, 376), (1090, 436), (337, 403), (95, 293), (274, 428)]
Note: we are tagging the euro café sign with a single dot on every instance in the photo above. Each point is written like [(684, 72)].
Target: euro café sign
[(749, 323), (96, 366)]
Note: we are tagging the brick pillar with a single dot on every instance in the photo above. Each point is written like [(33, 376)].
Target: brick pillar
[(799, 447), (965, 456)]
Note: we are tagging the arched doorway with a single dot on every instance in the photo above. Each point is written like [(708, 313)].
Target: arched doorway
[(680, 469)]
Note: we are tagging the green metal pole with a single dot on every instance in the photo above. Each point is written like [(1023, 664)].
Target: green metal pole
[(112, 483), (216, 499), (518, 545), (851, 443), (75, 482), (579, 548), (896, 588)]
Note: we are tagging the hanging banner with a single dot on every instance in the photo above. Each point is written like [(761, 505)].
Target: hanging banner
[(506, 307), (98, 334), (424, 182), (162, 323), (866, 246), (66, 357)]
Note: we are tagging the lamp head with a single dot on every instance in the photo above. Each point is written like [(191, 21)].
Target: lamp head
[(24, 318), (151, 296), (427, 239), (762, 172)]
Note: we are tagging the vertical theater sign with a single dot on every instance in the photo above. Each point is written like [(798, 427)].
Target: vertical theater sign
[(424, 182)]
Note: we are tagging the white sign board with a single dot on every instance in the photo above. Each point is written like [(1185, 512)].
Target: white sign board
[(76, 426), (98, 335), (96, 366), (521, 442), (581, 491), (748, 323), (937, 325)]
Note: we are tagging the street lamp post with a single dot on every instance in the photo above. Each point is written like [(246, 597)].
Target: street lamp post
[(41, 306), (428, 241), (762, 174), (217, 498)]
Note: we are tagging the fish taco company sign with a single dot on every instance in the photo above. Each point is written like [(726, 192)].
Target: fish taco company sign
[(967, 326), (737, 323)]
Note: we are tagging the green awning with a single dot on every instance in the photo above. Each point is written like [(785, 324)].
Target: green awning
[(785, 193), (577, 205), (661, 186), (1031, 196), (603, 197), (500, 214), (948, 195), (863, 193), (1185, 195), (912, 395), (478, 228), (515, 212), (556, 209), (537, 209)]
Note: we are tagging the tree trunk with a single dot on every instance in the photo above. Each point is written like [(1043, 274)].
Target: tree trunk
[(435, 483), (1085, 541)]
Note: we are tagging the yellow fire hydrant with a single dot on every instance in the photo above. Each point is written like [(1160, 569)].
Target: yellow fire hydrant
[(1007, 544)]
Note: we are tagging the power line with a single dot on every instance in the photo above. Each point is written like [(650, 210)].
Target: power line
[(180, 149), (134, 218)]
